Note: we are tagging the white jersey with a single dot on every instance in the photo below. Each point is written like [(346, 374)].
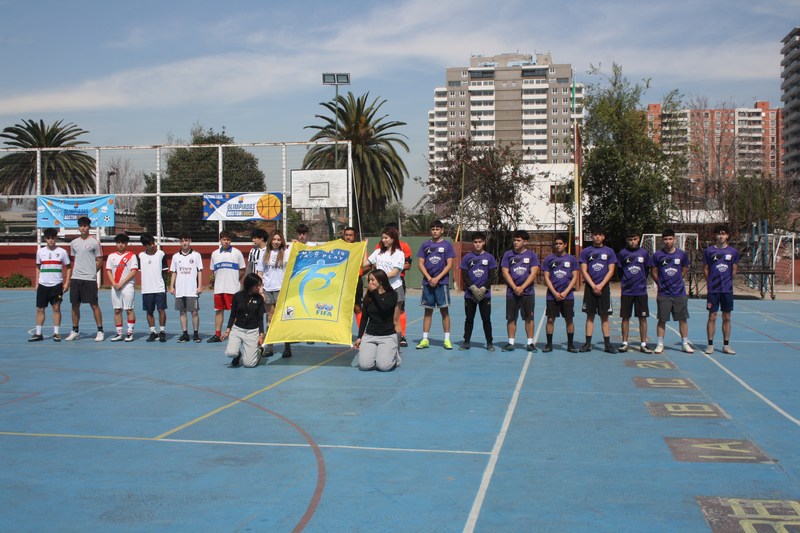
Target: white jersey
[(388, 261), (152, 268), (121, 265), (255, 257), (51, 265), (271, 273), (225, 264), (186, 268)]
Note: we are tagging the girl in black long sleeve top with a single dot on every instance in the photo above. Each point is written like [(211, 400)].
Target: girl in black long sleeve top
[(377, 339), (245, 331)]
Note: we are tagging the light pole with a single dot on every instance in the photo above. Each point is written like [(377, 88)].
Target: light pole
[(108, 180), (336, 79)]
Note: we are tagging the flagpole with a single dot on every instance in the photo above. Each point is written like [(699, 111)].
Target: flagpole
[(577, 160)]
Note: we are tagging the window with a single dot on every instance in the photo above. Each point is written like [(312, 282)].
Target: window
[(462, 94), (452, 113), (555, 101), (452, 94), (463, 114), (463, 123)]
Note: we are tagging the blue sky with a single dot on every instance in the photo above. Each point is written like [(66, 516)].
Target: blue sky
[(139, 73)]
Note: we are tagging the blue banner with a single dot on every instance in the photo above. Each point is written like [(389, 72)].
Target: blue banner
[(242, 206), (61, 212)]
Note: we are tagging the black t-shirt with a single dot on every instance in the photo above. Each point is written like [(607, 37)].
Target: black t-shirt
[(247, 311), (378, 315)]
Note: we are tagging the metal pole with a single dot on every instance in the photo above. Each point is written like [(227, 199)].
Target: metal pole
[(159, 230)]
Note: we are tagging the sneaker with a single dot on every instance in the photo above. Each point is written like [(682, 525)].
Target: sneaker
[(572, 349), (547, 348), (162, 336), (464, 346), (448, 345), (197, 337), (728, 350), (268, 352), (116, 338), (153, 337), (74, 335), (688, 348), (236, 361), (129, 337), (490, 347), (423, 344), (609, 348), (287, 353), (709, 349), (403, 343), (99, 337), (644, 349), (623, 347), (184, 338), (508, 348), (659, 349), (586, 348), (56, 337), (214, 338), (35, 338), (531, 348)]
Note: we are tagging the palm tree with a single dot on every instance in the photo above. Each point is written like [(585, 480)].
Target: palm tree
[(378, 171), (63, 171)]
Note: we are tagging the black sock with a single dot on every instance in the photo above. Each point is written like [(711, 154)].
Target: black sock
[(100, 328), (588, 339), (710, 342), (607, 340), (549, 339), (75, 329), (725, 342), (570, 339)]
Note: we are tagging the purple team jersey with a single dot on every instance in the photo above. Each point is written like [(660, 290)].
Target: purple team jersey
[(436, 255), (720, 263), (635, 266), (519, 266), (476, 271), (597, 260), (561, 268), (670, 272)]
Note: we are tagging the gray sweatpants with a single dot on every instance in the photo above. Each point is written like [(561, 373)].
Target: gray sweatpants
[(244, 341), (378, 352)]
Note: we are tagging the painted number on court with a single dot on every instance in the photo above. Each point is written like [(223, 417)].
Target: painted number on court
[(738, 514), (716, 451), (664, 383), (686, 410), (661, 365)]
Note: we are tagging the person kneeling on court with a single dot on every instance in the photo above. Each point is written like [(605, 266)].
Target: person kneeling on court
[(377, 338), (245, 331)]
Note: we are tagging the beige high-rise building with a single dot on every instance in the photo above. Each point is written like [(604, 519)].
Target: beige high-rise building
[(521, 100), (791, 102)]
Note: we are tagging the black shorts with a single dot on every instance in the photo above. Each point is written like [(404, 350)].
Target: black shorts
[(154, 300), (49, 295), (631, 303), (597, 305), (565, 308), (83, 291), (520, 305)]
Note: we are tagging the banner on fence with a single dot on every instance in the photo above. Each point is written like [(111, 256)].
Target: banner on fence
[(318, 292), (242, 206), (58, 212)]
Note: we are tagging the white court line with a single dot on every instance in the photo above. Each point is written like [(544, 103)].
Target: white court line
[(744, 384), (327, 446)]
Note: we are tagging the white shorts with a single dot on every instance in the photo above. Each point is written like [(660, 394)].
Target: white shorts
[(122, 299)]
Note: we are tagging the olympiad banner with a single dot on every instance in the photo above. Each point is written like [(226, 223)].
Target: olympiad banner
[(58, 212), (242, 206), (318, 293)]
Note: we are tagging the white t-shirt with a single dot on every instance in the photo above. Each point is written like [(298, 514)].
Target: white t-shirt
[(152, 268), (121, 265), (387, 261), (271, 274), (51, 265), (226, 264), (186, 268)]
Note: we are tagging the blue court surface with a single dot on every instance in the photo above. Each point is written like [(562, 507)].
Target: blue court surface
[(167, 437)]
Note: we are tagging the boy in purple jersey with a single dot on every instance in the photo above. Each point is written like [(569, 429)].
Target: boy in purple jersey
[(634, 263), (476, 269), (520, 267), (561, 277), (598, 263), (720, 265), (436, 258), (669, 268)]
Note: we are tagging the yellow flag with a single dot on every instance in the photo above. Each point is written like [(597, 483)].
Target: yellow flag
[(318, 292)]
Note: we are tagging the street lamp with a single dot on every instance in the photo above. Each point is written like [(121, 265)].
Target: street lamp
[(336, 79)]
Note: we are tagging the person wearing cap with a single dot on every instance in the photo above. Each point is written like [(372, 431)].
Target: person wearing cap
[(435, 259)]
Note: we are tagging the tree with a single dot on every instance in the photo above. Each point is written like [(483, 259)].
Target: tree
[(123, 179), (193, 169), (751, 198), (627, 177), (480, 187), (379, 172), (63, 171)]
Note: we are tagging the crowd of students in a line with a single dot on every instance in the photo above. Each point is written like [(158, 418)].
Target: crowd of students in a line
[(249, 289)]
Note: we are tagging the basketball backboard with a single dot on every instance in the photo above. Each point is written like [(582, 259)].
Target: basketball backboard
[(319, 188)]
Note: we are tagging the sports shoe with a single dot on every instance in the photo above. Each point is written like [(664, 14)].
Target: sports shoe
[(116, 338), (644, 349), (162, 336), (129, 337), (99, 337), (448, 345), (197, 337), (709, 349), (403, 343), (56, 337), (35, 338), (728, 350), (547, 348), (531, 348), (490, 347), (688, 348), (623, 347), (572, 349), (236, 361), (423, 344), (508, 348), (287, 352), (464, 346), (184, 338), (214, 338), (609, 348), (586, 348), (74, 335), (659, 349), (153, 337)]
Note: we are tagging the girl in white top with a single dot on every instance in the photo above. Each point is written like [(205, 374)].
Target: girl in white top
[(390, 258), (272, 270)]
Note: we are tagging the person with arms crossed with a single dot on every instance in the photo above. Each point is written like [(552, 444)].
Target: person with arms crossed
[(152, 265), (435, 259), (634, 263), (121, 269), (227, 264), (598, 263), (52, 281), (88, 260), (520, 267), (477, 267), (186, 285), (259, 238), (669, 268), (720, 265), (561, 277)]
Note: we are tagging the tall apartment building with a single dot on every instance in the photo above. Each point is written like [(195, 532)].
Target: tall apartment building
[(790, 97), (720, 143), (508, 99)]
